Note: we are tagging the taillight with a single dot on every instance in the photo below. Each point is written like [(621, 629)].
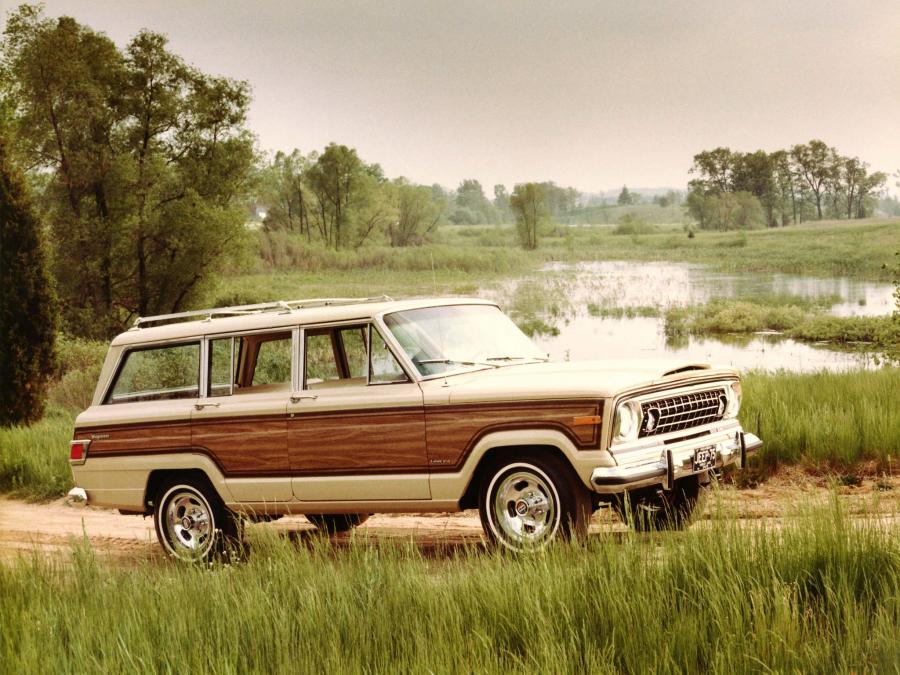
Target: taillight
[(78, 451)]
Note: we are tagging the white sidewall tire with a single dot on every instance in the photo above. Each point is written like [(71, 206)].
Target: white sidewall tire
[(162, 532), (495, 532)]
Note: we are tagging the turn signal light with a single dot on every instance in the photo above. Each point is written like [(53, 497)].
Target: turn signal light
[(78, 451)]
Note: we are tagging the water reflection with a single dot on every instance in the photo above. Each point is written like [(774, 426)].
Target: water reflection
[(614, 310)]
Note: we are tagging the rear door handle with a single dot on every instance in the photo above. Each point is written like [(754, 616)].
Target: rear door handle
[(296, 398), (201, 406)]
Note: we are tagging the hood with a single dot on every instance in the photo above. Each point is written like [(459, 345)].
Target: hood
[(599, 379)]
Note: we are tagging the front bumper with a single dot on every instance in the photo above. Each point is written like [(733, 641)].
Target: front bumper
[(664, 463)]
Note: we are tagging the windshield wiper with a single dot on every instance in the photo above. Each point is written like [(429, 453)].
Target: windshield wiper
[(515, 358), (426, 362)]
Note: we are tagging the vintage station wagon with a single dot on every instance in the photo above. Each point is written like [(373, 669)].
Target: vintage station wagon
[(337, 409)]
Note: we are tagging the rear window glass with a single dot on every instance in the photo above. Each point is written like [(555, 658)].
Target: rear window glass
[(158, 374)]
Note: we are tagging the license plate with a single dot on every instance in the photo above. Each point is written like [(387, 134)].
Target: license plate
[(705, 458)]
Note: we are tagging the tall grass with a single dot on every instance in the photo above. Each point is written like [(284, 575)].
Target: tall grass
[(34, 461), (820, 594), (825, 420), (802, 320)]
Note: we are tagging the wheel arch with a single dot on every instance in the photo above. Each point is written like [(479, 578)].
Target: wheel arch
[(507, 452), (185, 467)]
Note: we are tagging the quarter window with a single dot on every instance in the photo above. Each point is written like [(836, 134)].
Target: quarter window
[(158, 373)]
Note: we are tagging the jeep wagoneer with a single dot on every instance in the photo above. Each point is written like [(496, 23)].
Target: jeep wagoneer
[(337, 409)]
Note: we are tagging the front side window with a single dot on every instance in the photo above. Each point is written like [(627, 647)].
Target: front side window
[(453, 338), (158, 373), (348, 356)]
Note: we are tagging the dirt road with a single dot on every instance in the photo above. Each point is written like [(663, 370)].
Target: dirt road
[(26, 529)]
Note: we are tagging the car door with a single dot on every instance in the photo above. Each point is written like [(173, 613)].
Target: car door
[(241, 419), (356, 422)]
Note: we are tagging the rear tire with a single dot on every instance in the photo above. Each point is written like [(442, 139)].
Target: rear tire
[(192, 522), (333, 523), (527, 502), (656, 509)]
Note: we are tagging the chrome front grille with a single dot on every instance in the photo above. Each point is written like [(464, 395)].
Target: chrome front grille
[(684, 411)]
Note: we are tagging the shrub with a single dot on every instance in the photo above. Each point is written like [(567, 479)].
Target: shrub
[(27, 304), (632, 225)]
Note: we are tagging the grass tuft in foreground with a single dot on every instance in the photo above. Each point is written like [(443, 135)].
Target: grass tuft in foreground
[(819, 594)]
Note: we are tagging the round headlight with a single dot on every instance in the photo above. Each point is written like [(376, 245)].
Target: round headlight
[(734, 394), (628, 418)]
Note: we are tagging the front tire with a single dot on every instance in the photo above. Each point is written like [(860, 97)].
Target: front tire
[(192, 523), (333, 523), (527, 502)]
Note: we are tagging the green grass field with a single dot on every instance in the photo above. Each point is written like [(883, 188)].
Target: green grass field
[(856, 249), (820, 593)]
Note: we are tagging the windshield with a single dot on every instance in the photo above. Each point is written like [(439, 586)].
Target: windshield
[(440, 340)]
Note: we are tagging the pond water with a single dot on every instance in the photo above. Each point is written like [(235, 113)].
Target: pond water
[(614, 309)]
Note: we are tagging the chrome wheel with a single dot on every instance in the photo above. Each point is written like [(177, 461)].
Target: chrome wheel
[(524, 507), (188, 523)]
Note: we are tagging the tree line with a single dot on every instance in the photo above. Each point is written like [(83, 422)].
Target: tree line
[(336, 199), (810, 181)]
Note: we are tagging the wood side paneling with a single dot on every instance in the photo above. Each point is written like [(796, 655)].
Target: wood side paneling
[(134, 438), (358, 441), (347, 442), (245, 447), (453, 430)]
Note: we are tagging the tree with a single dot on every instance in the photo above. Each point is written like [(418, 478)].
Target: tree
[(27, 304), (625, 197), (815, 164), (281, 189), (149, 161), (753, 172), (714, 169), (471, 205), (529, 204), (418, 213), (501, 201), (337, 181)]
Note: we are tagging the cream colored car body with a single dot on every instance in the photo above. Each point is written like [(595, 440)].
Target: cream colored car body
[(119, 478)]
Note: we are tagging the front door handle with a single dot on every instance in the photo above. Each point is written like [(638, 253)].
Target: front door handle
[(201, 406), (296, 398)]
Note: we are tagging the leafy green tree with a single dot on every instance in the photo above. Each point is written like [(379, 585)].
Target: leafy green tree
[(27, 304), (816, 164), (625, 197), (339, 181), (529, 204), (714, 169), (149, 161), (281, 189), (471, 207), (501, 202), (753, 172), (418, 213)]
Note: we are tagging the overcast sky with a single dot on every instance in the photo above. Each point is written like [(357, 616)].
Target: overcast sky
[(592, 94)]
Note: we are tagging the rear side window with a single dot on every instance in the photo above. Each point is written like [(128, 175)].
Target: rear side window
[(158, 373)]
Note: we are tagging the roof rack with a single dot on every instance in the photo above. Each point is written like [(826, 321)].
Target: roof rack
[(283, 306)]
